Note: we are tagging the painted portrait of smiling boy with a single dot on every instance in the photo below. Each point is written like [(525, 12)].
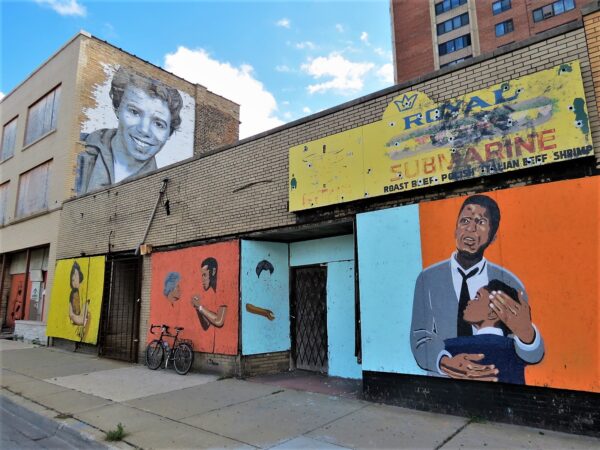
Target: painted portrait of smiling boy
[(148, 114)]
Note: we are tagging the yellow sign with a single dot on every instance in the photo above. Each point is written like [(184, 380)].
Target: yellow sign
[(77, 299), (534, 120)]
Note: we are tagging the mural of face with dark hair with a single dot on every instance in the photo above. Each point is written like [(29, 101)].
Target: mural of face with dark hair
[(473, 230), (208, 273), (144, 126)]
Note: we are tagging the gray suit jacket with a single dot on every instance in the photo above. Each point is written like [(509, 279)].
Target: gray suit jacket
[(435, 308)]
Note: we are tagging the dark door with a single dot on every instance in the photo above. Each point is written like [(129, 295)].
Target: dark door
[(121, 309), (309, 318)]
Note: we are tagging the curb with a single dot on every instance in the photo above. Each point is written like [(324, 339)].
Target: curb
[(71, 433)]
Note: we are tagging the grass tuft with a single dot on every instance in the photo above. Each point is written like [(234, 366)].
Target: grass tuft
[(116, 435)]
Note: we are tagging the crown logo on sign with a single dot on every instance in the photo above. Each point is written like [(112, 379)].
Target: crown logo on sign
[(406, 102)]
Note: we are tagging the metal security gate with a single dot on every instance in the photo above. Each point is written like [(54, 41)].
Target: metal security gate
[(309, 318), (121, 309)]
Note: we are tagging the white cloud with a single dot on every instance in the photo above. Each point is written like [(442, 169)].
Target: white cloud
[(284, 23), (364, 36), (383, 53), (386, 73), (65, 7), (285, 103), (288, 115), (282, 68), (306, 44), (306, 110), (1, 95), (257, 105), (346, 76), (339, 27)]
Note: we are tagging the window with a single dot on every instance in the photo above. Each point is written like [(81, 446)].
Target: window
[(500, 6), (42, 116), (453, 24), (9, 136), (454, 44), (553, 9), (3, 203), (505, 27), (456, 61), (33, 190), (447, 5)]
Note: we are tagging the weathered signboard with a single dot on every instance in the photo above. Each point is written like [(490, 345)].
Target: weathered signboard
[(533, 120)]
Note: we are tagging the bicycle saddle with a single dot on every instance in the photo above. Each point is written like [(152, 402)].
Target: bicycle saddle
[(179, 328)]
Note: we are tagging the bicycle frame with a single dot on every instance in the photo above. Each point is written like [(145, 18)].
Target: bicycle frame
[(164, 332)]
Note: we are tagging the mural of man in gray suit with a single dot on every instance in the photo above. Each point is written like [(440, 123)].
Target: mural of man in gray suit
[(443, 290)]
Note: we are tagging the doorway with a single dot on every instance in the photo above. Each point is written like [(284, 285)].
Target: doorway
[(309, 318), (121, 309)]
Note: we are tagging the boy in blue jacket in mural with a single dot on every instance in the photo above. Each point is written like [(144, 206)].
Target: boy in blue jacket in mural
[(490, 335)]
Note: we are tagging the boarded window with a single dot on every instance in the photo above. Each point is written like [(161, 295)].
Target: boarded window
[(33, 190), (42, 116), (9, 136), (3, 203)]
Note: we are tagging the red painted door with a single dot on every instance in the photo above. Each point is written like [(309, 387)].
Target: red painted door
[(16, 299)]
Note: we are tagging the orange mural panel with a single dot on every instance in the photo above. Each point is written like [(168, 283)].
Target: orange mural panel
[(197, 288), (549, 238)]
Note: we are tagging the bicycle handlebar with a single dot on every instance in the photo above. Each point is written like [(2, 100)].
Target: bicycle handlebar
[(165, 329)]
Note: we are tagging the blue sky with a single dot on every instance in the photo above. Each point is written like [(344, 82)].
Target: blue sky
[(281, 60)]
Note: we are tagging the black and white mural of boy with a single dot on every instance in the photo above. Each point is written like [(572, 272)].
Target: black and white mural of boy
[(148, 114)]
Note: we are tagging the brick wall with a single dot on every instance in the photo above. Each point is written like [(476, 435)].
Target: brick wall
[(264, 364), (244, 188)]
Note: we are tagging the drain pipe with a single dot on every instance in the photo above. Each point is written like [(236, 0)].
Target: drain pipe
[(163, 188)]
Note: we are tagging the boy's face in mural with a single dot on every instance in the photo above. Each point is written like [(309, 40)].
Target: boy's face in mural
[(478, 311), (472, 230), (144, 124), (207, 276)]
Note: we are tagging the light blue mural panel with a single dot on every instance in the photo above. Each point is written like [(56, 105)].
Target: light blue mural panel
[(317, 251), (389, 261), (341, 320), (265, 297)]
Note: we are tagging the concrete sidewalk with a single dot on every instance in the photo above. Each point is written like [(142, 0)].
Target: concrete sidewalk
[(161, 409)]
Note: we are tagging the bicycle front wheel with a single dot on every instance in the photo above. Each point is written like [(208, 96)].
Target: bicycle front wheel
[(183, 359), (154, 354)]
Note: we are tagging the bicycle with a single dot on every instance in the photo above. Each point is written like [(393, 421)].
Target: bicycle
[(181, 353)]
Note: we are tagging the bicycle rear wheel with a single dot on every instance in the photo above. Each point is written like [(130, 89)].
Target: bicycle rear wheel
[(183, 359), (154, 354)]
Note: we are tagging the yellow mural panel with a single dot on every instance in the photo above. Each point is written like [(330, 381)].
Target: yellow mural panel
[(76, 300), (534, 120)]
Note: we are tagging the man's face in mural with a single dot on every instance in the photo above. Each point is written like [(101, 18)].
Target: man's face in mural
[(472, 229), (206, 276), (175, 293), (144, 124)]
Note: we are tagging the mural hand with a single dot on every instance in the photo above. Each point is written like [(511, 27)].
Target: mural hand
[(464, 366), (515, 315), (195, 301)]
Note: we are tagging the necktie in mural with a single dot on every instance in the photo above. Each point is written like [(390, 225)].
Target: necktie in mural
[(463, 328)]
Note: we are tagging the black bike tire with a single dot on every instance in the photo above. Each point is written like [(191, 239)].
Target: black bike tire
[(155, 354), (180, 357)]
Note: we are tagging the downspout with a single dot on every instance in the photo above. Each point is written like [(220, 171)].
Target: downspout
[(163, 188)]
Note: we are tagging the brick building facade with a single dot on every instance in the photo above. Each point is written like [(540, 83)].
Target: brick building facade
[(450, 31), (44, 128)]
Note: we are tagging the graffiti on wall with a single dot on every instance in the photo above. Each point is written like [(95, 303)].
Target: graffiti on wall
[(482, 287), (138, 125), (197, 288), (77, 299), (534, 120), (265, 297)]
